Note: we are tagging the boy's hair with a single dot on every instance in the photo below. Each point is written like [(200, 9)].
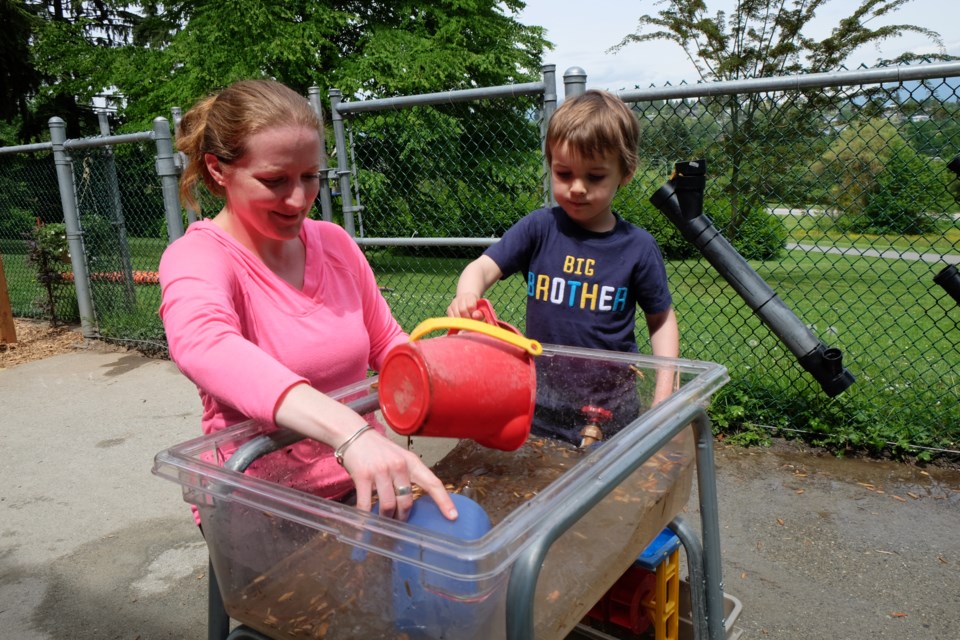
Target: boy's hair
[(593, 124), (221, 124)]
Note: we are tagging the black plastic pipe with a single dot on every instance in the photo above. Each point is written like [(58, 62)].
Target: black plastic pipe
[(954, 165), (681, 201), (949, 279)]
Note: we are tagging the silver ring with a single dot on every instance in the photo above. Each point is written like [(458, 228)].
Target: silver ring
[(405, 490)]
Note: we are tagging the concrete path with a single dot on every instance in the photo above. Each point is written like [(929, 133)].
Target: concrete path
[(889, 254), (91, 545)]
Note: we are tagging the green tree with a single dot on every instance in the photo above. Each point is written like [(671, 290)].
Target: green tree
[(763, 38), (50, 63), (374, 48), (18, 77), (150, 55), (880, 183)]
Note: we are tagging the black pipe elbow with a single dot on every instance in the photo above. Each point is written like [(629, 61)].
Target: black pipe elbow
[(949, 279), (826, 365), (665, 199), (690, 180)]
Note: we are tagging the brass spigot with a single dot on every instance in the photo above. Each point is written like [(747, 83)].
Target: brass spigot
[(593, 432)]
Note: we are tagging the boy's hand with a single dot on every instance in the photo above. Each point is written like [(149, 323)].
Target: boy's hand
[(464, 305), (476, 278)]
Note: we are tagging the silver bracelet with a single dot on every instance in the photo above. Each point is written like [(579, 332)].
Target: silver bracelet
[(342, 449)]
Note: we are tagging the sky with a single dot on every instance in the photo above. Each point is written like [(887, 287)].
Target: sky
[(583, 31)]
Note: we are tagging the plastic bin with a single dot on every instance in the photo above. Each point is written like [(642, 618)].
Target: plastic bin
[(293, 565)]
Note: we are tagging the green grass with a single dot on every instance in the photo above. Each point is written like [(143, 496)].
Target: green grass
[(22, 285), (117, 317), (896, 331), (821, 231)]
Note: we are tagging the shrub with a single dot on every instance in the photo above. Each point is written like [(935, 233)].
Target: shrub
[(881, 184), (904, 195), (49, 252), (15, 223), (759, 235)]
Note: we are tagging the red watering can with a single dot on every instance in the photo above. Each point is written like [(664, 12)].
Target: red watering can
[(478, 381)]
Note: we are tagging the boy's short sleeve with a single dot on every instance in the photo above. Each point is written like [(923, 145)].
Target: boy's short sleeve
[(515, 249)]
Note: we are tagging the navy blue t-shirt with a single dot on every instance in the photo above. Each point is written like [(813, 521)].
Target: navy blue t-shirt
[(583, 287)]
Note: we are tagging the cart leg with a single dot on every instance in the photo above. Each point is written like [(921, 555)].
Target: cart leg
[(709, 526), (243, 632), (218, 622), (694, 550)]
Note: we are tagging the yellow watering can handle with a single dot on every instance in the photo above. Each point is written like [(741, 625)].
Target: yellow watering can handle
[(532, 347)]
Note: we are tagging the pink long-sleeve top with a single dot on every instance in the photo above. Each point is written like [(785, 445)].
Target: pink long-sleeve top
[(245, 336)]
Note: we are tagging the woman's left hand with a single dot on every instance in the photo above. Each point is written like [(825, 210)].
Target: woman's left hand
[(377, 464), (374, 462)]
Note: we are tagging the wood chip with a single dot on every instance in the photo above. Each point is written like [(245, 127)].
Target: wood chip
[(37, 340)]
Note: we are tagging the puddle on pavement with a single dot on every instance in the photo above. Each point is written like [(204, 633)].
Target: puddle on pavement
[(874, 475), (123, 365)]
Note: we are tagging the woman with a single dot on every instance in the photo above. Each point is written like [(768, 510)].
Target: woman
[(267, 311)]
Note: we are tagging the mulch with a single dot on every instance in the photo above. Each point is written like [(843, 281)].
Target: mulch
[(37, 339)]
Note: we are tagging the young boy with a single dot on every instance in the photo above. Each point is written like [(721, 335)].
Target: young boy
[(586, 270)]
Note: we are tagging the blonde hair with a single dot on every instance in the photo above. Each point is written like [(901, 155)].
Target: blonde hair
[(222, 123), (592, 124)]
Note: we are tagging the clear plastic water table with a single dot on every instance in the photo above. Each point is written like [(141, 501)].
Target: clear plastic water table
[(566, 522)]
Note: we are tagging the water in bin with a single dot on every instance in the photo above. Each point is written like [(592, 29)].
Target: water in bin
[(427, 604)]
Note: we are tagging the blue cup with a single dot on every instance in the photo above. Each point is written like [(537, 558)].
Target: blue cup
[(429, 604)]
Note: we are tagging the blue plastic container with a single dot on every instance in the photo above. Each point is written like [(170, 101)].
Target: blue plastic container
[(433, 605)]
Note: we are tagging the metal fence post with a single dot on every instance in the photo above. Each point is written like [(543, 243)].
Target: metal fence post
[(326, 204), (116, 214), (574, 82), (343, 164), (549, 106), (180, 158), (71, 220), (169, 178)]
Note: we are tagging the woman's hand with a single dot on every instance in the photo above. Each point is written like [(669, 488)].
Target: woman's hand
[(374, 462), (378, 464)]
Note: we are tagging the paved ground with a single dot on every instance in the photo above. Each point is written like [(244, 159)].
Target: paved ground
[(93, 546)]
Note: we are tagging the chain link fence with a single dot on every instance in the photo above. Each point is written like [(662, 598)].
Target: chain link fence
[(29, 197), (835, 188), (82, 226), (840, 196), (121, 216), (434, 183)]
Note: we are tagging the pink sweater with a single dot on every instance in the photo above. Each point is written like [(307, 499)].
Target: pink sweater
[(244, 336)]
